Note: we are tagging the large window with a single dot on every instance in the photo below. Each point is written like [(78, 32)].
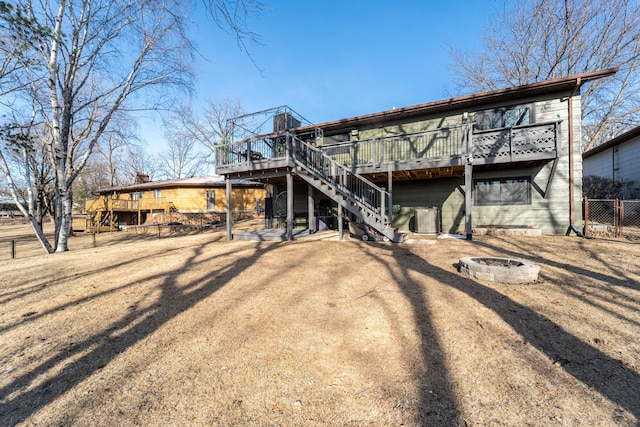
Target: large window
[(504, 117), (503, 191)]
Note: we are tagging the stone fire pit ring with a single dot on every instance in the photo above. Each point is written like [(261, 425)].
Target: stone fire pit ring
[(501, 270)]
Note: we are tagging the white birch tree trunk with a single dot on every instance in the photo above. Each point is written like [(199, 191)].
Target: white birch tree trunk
[(97, 55), (29, 211)]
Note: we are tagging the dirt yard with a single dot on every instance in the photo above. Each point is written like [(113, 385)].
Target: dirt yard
[(195, 330)]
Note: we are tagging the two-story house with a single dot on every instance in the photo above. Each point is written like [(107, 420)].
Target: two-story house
[(508, 158)]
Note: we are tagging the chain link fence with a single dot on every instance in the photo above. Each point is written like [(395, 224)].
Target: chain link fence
[(612, 217), (630, 218)]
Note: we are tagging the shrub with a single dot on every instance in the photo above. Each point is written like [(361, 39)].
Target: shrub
[(597, 187)]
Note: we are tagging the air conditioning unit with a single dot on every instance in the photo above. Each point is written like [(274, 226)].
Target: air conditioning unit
[(427, 221)]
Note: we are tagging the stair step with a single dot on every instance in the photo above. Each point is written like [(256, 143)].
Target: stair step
[(353, 203)]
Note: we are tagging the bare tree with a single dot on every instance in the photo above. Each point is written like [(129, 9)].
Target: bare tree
[(21, 150), (183, 159), (114, 147), (135, 160), (531, 41), (21, 156), (93, 177), (98, 58), (18, 32), (231, 15), (209, 126)]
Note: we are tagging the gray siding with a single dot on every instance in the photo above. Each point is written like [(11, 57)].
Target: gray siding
[(548, 211), (621, 162), (628, 161), (600, 164), (446, 194), (549, 208)]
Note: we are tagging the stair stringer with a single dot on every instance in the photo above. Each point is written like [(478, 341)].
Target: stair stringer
[(359, 210)]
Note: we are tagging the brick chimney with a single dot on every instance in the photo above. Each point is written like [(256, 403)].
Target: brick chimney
[(141, 178)]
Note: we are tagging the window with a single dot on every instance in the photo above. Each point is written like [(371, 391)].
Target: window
[(157, 194), (336, 144), (505, 117), (136, 196), (503, 191), (211, 200)]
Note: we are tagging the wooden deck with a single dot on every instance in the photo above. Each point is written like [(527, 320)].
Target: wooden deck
[(433, 153)]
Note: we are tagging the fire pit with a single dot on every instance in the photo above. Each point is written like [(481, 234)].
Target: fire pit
[(502, 270)]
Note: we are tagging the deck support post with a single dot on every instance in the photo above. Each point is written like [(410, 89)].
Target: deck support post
[(468, 183), (390, 187), (468, 201), (310, 208), (289, 205), (229, 215), (340, 223)]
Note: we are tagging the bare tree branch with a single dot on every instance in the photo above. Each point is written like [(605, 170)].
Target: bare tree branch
[(529, 41)]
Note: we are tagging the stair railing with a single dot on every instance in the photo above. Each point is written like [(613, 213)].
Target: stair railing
[(366, 194)]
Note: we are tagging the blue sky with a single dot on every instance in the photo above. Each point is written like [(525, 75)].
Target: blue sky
[(332, 59)]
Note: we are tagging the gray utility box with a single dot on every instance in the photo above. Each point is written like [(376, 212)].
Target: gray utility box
[(285, 121), (427, 221)]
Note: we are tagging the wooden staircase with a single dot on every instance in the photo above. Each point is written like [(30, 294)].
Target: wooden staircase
[(362, 198)]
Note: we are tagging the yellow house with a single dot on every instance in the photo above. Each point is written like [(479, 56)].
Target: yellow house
[(188, 200)]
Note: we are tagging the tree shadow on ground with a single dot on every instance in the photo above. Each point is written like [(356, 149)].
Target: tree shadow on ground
[(437, 404), (18, 291), (615, 294), (578, 268), (21, 398), (597, 370)]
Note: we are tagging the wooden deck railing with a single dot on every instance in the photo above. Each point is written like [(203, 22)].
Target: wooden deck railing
[(520, 143), (368, 195), (103, 204), (517, 144), (434, 145)]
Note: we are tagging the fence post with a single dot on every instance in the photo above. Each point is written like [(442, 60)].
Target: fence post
[(617, 218), (586, 216), (13, 249)]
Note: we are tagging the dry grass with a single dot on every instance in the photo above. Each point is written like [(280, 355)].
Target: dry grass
[(199, 331)]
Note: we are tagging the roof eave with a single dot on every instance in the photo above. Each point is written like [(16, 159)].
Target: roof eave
[(624, 137), (159, 185), (468, 101)]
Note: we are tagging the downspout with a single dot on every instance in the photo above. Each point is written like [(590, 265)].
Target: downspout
[(572, 208)]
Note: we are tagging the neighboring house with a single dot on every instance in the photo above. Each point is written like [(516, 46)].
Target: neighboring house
[(8, 208), (508, 158), (182, 200), (617, 159)]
